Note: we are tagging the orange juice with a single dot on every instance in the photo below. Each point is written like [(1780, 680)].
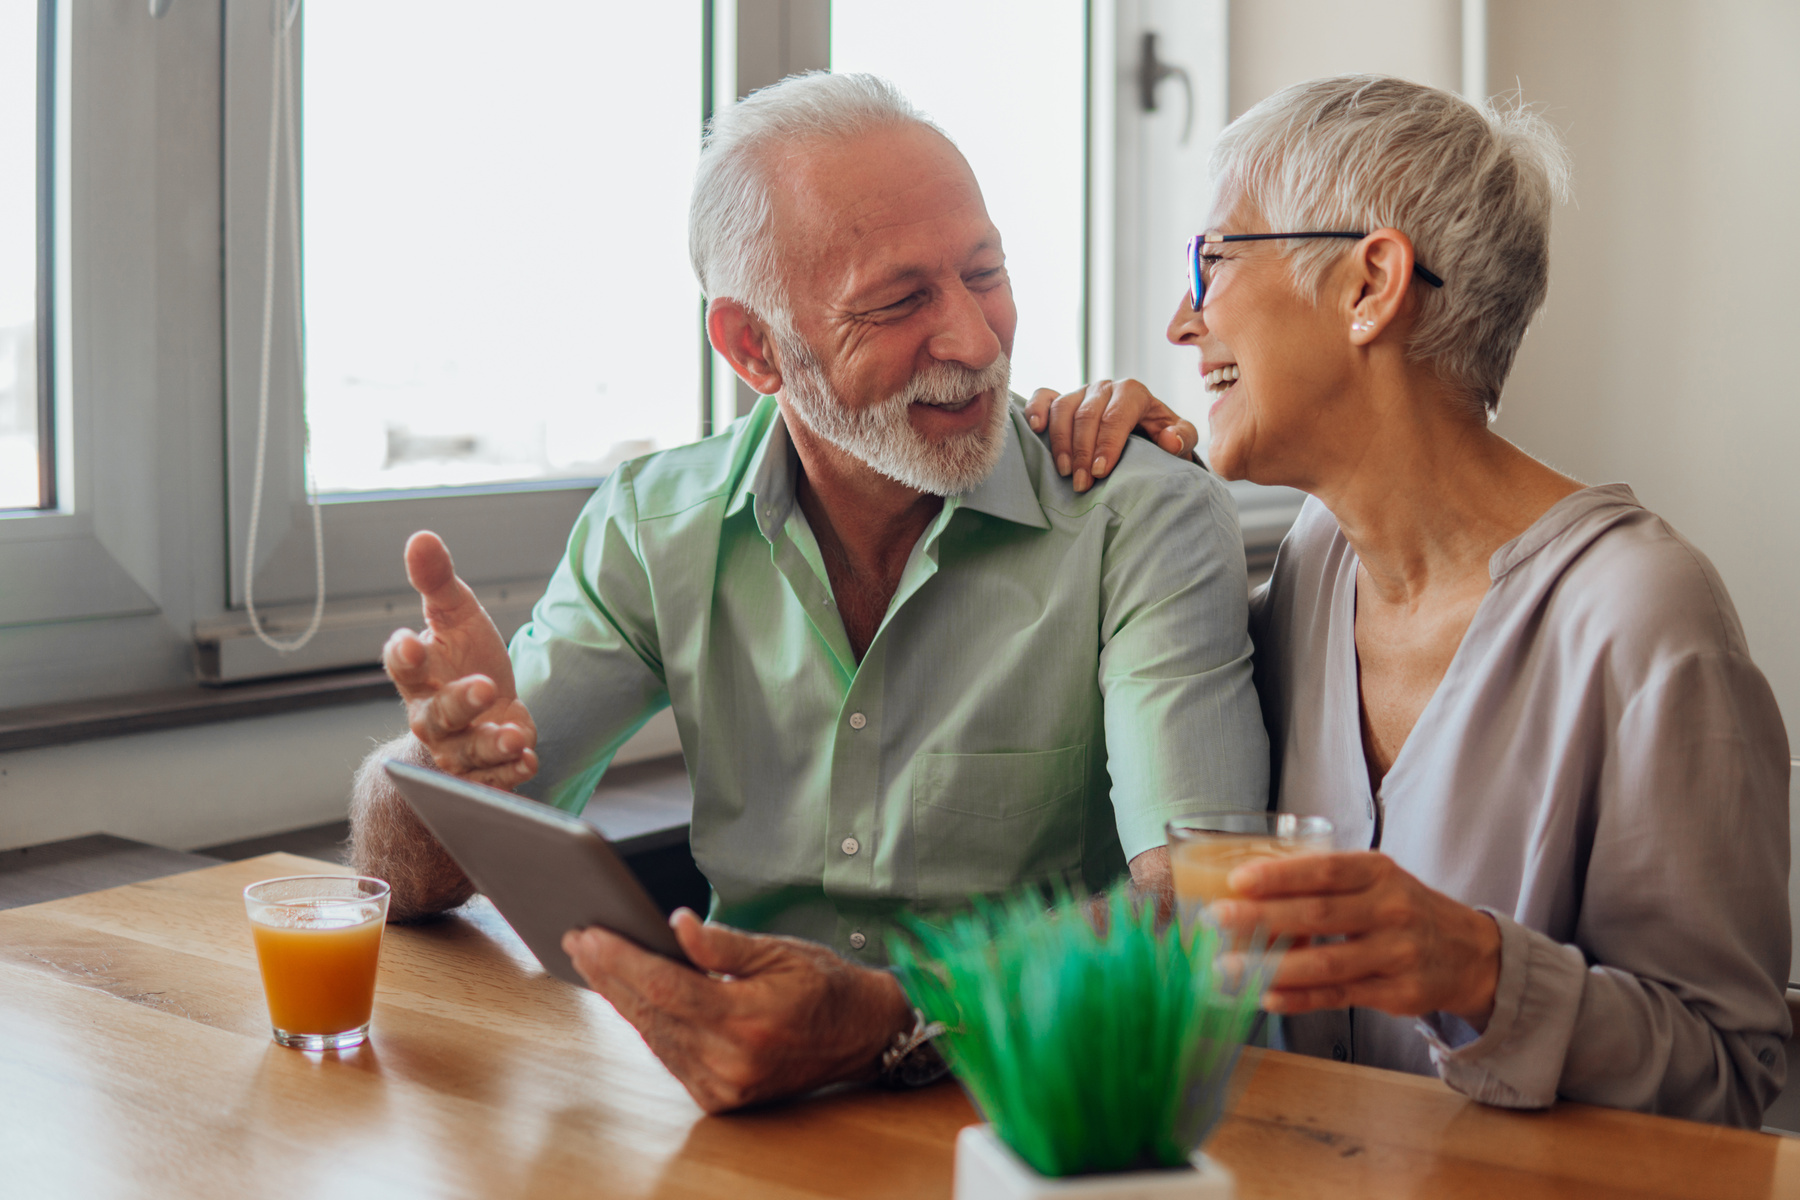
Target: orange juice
[(318, 963), (1201, 864), (318, 938)]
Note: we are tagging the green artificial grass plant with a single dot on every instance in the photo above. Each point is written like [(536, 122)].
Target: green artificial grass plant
[(1086, 1051)]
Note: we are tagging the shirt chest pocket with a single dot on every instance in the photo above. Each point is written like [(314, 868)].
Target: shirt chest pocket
[(989, 822)]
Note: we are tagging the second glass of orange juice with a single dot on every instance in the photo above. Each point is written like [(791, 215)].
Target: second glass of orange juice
[(1205, 848), (318, 939)]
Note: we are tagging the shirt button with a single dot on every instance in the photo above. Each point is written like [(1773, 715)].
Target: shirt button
[(857, 720), (1338, 1052), (851, 845), (858, 941)]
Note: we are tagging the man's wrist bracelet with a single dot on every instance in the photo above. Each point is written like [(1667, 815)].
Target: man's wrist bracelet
[(911, 1060)]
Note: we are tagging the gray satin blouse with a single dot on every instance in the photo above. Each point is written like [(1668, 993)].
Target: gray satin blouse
[(1602, 769)]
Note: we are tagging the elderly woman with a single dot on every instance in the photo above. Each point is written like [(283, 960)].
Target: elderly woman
[(1530, 700)]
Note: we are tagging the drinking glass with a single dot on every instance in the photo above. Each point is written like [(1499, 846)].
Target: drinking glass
[(1205, 848), (318, 938)]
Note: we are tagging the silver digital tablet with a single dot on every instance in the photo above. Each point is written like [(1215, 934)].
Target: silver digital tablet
[(546, 871)]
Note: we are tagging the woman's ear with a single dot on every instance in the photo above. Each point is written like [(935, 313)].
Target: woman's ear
[(1381, 280), (745, 343)]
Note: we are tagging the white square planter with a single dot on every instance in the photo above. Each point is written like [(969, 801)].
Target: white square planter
[(987, 1169)]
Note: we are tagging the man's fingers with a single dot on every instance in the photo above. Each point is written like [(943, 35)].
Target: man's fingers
[(635, 979), (408, 661), (718, 948), (453, 708), (432, 574), (486, 747), (1037, 409), (507, 775)]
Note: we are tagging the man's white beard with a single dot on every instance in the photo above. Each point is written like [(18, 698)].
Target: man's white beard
[(882, 435)]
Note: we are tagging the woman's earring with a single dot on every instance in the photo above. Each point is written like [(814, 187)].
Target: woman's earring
[(1361, 326)]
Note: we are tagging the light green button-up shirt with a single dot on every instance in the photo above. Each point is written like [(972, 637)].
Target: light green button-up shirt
[(1057, 676)]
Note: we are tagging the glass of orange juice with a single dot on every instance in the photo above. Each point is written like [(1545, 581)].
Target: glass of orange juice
[(317, 941), (1205, 848)]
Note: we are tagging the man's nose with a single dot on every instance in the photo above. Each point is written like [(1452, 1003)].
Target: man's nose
[(964, 335)]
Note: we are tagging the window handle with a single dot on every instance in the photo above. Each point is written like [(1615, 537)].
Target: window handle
[(1151, 71)]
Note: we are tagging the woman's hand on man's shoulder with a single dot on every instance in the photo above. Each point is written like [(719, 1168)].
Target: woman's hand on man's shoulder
[(1088, 428)]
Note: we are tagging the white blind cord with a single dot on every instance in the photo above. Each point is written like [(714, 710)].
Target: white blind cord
[(281, 128)]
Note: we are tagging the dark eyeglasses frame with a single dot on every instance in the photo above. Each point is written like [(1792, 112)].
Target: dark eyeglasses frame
[(1197, 285)]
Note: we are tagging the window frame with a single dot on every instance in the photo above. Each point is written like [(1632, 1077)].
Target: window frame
[(101, 584)]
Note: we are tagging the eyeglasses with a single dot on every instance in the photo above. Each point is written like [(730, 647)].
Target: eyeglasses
[(1197, 273)]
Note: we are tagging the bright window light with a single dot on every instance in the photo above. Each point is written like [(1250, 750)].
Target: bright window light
[(18, 256), (1010, 88), (497, 283)]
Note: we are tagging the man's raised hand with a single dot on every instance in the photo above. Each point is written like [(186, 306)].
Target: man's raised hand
[(456, 678)]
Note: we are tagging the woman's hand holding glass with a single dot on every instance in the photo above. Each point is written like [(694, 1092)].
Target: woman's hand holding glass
[(1393, 944)]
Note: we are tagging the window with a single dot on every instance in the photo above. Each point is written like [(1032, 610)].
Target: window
[(497, 286), (25, 30), (495, 205), (498, 302)]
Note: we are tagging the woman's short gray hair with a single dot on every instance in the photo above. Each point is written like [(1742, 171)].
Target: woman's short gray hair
[(1472, 186), (729, 236)]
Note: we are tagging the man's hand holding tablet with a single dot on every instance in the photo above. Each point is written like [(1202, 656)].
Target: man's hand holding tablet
[(773, 1016)]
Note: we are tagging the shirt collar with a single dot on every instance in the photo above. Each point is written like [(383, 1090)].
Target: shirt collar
[(1006, 493), (769, 481)]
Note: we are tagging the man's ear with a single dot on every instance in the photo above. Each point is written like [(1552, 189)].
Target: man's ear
[(1381, 284), (746, 344)]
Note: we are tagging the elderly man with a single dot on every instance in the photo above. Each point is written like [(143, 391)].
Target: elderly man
[(908, 661)]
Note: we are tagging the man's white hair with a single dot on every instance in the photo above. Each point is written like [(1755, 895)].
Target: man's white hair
[(729, 236), (1472, 186)]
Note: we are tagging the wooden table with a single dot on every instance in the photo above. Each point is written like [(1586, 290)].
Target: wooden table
[(135, 1060)]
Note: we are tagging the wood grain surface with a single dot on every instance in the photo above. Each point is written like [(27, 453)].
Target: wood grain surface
[(136, 1061)]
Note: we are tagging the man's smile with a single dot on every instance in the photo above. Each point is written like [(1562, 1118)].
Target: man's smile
[(937, 421)]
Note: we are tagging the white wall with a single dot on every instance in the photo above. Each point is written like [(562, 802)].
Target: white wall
[(1666, 355), (1278, 42), (199, 786)]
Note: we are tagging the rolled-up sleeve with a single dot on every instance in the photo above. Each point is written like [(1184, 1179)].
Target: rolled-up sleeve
[(1184, 732), (588, 664), (1670, 1000)]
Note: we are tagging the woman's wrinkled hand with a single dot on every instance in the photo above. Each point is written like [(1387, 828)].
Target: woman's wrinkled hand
[(1088, 428), (1405, 949)]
